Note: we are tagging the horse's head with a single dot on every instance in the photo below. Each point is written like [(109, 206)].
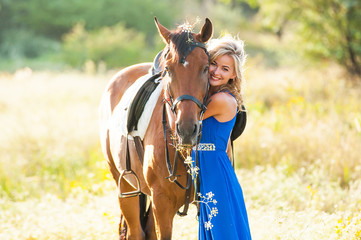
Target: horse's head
[(186, 62)]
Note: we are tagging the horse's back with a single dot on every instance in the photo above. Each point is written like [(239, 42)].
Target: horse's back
[(123, 80)]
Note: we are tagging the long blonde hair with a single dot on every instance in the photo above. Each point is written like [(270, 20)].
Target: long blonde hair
[(233, 47)]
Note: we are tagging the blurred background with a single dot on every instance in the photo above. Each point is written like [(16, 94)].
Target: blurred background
[(298, 161), (115, 33)]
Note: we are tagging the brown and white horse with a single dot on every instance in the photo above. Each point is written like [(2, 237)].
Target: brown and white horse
[(185, 79)]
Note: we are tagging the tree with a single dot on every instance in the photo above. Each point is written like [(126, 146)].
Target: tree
[(327, 29)]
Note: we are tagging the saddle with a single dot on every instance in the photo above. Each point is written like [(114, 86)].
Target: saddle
[(138, 104), (240, 124), (157, 68), (136, 110), (238, 128)]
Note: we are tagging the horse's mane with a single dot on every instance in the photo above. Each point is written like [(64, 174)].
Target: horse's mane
[(179, 39)]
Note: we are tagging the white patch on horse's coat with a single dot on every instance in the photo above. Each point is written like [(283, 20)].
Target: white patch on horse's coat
[(185, 64), (120, 114)]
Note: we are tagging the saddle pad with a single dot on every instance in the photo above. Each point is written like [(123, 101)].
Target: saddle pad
[(120, 114)]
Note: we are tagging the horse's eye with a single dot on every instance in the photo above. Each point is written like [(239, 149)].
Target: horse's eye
[(206, 69), (168, 71)]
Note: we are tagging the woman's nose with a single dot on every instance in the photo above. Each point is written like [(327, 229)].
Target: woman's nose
[(216, 71), (213, 70)]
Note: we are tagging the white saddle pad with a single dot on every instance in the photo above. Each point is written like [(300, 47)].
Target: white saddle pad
[(120, 113)]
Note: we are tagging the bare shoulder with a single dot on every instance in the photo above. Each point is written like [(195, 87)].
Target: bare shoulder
[(224, 98), (222, 106)]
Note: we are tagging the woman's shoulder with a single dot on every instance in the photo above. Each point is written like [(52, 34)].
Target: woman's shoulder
[(224, 98), (222, 106)]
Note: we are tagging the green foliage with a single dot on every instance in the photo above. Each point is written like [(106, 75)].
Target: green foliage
[(32, 29), (55, 18), (225, 18), (23, 43), (332, 33), (115, 46), (223, 23)]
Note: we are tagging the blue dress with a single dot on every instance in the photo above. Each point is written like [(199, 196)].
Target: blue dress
[(223, 213)]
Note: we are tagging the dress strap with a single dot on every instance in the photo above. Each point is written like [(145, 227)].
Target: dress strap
[(227, 91)]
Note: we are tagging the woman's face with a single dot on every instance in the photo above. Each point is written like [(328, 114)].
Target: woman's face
[(221, 70)]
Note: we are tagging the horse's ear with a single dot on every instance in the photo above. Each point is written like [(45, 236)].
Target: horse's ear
[(163, 32), (207, 31)]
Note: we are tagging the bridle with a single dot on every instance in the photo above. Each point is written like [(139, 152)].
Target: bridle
[(173, 105)]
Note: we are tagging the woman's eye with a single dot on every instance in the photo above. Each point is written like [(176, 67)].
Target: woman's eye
[(213, 63)]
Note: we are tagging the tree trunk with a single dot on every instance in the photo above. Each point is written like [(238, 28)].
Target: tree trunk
[(355, 65)]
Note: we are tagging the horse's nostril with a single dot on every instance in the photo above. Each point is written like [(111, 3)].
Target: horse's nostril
[(177, 128), (195, 131)]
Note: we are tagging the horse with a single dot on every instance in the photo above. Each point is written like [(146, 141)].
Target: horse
[(185, 62)]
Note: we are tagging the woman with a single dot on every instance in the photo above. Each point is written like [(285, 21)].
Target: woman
[(222, 209)]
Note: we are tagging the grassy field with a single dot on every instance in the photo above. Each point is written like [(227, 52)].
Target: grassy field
[(298, 161)]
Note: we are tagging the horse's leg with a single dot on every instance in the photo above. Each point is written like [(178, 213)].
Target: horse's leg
[(150, 227), (130, 210), (122, 228), (164, 210)]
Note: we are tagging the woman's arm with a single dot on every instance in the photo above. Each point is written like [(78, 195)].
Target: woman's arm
[(222, 106)]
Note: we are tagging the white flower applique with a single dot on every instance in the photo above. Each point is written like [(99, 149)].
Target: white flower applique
[(208, 200)]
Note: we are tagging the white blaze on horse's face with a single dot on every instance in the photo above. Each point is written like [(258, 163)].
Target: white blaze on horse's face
[(185, 64)]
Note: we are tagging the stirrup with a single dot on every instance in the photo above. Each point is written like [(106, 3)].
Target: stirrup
[(132, 193)]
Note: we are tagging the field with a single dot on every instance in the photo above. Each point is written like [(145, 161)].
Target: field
[(298, 161)]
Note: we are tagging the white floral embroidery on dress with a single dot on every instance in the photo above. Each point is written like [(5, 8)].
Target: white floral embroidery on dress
[(207, 200)]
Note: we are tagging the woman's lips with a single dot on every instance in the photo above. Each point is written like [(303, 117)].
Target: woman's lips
[(215, 78)]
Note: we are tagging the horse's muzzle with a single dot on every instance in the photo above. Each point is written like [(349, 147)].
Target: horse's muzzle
[(187, 132)]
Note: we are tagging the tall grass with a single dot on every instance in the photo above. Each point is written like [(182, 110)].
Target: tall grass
[(49, 139), (303, 119)]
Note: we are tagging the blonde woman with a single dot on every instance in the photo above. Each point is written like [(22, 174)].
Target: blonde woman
[(223, 213)]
